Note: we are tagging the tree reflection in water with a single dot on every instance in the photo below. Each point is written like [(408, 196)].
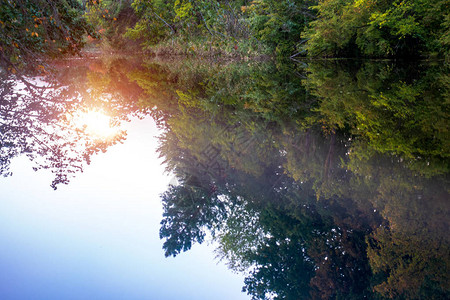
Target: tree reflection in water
[(333, 177), (322, 182), (40, 118)]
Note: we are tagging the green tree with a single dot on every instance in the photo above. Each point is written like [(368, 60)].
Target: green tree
[(303, 196), (112, 19), (34, 29), (387, 108), (415, 267), (279, 24), (188, 211), (378, 28)]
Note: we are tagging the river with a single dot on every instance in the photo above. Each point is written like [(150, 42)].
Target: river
[(187, 179)]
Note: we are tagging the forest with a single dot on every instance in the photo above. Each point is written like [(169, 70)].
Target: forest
[(33, 29), (309, 138)]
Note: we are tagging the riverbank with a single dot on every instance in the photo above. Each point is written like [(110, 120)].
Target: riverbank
[(177, 48)]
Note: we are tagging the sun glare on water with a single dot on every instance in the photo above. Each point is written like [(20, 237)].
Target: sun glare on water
[(96, 123)]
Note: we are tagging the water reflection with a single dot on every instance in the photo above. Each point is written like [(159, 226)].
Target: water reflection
[(324, 181), (60, 120), (95, 123)]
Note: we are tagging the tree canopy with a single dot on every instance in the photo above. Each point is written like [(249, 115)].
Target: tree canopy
[(240, 28)]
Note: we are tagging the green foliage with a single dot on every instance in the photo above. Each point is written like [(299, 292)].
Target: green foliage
[(391, 110), (282, 269), (415, 267), (301, 196), (285, 28), (379, 28), (338, 28), (186, 27), (112, 19), (32, 29), (151, 26), (239, 235), (183, 10), (188, 211), (278, 24)]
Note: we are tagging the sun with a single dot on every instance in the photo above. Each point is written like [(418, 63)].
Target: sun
[(95, 123)]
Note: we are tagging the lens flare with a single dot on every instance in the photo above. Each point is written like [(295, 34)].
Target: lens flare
[(95, 123)]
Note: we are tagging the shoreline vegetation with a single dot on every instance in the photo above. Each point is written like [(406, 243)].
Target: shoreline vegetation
[(324, 180), (392, 29)]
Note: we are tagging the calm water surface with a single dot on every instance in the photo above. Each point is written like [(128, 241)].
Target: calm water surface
[(324, 180)]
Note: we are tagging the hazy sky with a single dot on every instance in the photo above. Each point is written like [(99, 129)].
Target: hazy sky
[(97, 238)]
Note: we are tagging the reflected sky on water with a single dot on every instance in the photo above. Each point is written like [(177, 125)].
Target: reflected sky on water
[(97, 238), (325, 180)]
